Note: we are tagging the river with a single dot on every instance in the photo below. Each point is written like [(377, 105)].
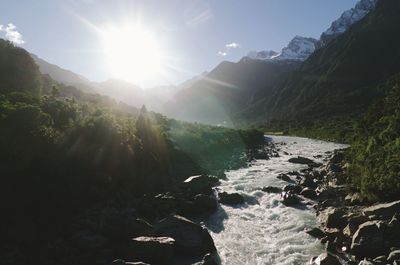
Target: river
[(264, 231)]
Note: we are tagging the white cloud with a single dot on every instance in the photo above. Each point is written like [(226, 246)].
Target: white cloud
[(233, 45), (11, 34), (223, 54)]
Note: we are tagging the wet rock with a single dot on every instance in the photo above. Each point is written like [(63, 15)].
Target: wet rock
[(333, 218), (204, 203), (154, 250), (325, 259), (200, 184), (292, 188), (230, 198), (304, 161), (190, 238), (308, 182), (308, 193), (349, 230), (124, 228), (209, 259), (123, 262), (270, 189), (284, 177), (289, 198), (369, 240), (366, 262), (316, 232), (384, 210)]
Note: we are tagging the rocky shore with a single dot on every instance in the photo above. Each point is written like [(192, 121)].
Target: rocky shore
[(352, 230)]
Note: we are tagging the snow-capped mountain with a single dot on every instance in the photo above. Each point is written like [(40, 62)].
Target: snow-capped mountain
[(300, 48), (262, 55), (348, 18)]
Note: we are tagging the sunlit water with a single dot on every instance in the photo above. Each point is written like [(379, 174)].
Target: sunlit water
[(263, 231)]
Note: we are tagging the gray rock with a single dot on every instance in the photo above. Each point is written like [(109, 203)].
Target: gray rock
[(230, 198), (301, 160), (325, 259), (289, 198), (369, 240), (316, 232), (200, 184), (332, 218), (394, 255), (308, 193), (271, 189), (123, 262), (204, 203), (154, 250), (285, 177), (384, 210), (190, 238)]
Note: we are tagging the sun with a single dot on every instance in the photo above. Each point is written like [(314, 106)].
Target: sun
[(132, 53)]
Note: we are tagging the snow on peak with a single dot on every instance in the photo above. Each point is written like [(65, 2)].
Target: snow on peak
[(348, 18), (263, 55), (298, 49)]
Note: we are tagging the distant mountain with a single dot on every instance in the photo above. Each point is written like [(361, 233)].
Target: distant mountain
[(226, 90), (348, 18), (300, 48), (341, 78)]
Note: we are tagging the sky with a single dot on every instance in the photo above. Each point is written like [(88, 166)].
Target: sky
[(181, 38)]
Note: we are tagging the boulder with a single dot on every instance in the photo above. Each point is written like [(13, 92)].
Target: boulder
[(349, 230), (230, 198), (369, 240), (123, 262), (380, 260), (292, 188), (308, 193), (325, 259), (200, 184), (394, 255), (332, 218), (366, 262), (190, 238), (316, 232), (289, 198), (204, 203), (125, 228), (270, 189), (285, 177), (154, 250), (304, 161), (384, 210)]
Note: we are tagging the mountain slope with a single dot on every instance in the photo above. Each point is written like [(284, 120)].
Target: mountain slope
[(341, 77), (225, 90)]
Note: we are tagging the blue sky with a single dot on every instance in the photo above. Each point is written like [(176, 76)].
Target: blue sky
[(192, 34)]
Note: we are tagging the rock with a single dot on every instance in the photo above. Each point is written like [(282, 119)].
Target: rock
[(190, 238), (292, 188), (230, 198), (316, 232), (332, 218), (123, 262), (325, 259), (270, 189), (285, 177), (394, 255), (380, 260), (125, 228), (90, 241), (208, 259), (366, 262), (204, 203), (304, 161), (200, 184), (349, 230), (308, 182), (369, 241), (308, 193), (384, 210), (289, 198), (154, 250)]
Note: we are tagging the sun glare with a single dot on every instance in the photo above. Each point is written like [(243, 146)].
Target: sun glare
[(133, 53)]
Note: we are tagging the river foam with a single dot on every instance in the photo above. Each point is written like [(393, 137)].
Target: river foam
[(264, 231)]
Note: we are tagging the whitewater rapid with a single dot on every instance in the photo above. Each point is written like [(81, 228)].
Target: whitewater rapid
[(264, 231)]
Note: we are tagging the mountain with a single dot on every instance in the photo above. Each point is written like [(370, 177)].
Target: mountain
[(298, 49), (347, 19), (340, 78), (226, 90)]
